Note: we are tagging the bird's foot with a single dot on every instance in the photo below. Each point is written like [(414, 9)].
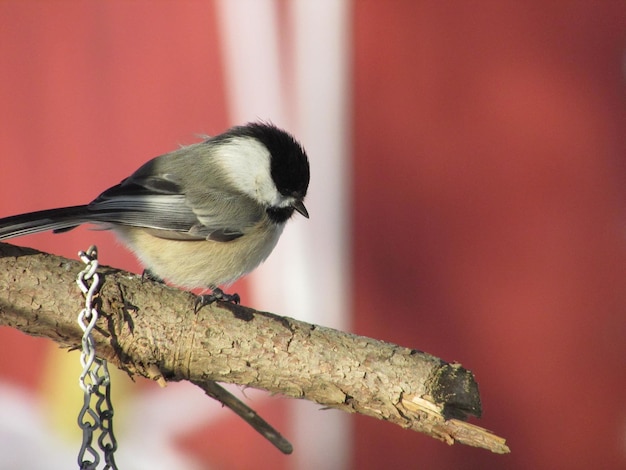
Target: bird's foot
[(148, 275), (214, 296)]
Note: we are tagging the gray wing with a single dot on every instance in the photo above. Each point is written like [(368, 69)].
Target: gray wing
[(160, 204), (167, 196)]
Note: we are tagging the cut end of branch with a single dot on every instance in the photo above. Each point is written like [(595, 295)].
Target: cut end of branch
[(455, 387)]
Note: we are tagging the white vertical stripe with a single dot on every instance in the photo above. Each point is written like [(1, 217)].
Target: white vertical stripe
[(306, 276), (321, 95), (252, 65)]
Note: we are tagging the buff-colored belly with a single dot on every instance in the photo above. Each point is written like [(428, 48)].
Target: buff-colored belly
[(202, 263)]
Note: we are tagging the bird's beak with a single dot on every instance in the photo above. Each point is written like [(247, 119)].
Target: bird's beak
[(299, 206)]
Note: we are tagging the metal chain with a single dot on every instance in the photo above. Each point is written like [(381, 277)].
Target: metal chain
[(96, 415)]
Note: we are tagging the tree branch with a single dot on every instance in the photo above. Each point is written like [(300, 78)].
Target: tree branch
[(151, 330)]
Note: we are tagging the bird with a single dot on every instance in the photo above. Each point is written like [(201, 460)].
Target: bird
[(201, 216)]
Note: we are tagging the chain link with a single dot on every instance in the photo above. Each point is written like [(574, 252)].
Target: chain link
[(96, 415)]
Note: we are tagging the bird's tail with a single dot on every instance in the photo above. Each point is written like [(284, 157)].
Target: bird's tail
[(59, 220)]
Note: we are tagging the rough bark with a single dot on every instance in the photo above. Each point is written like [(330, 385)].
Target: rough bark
[(151, 329)]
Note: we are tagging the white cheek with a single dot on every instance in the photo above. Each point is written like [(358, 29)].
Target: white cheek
[(246, 163)]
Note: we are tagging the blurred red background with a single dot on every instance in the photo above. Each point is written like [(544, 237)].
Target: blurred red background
[(486, 181)]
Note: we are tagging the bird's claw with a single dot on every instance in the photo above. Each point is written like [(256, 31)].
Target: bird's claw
[(214, 296), (148, 275)]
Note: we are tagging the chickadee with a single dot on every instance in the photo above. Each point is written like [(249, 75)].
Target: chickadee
[(200, 216)]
